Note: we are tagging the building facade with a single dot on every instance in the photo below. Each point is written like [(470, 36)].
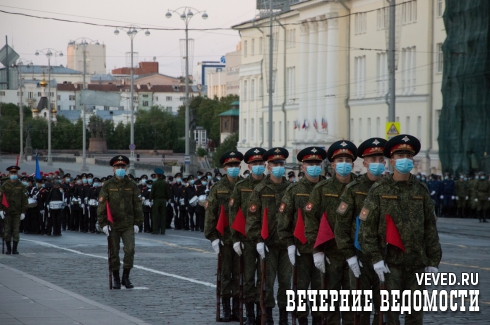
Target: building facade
[(222, 83), (95, 55)]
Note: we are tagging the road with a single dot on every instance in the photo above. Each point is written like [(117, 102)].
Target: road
[(174, 274)]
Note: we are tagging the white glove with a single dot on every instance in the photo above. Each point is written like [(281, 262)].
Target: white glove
[(292, 252), (467, 198), (106, 230), (380, 268), (238, 248), (489, 199), (441, 197), (452, 197), (433, 192), (2, 214), (476, 200), (215, 244), (22, 216), (431, 269), (83, 206), (354, 266), (261, 249), (319, 261), (136, 229)]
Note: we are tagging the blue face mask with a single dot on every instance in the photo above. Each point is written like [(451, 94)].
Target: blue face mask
[(191, 182), (154, 179), (278, 171), (178, 180), (96, 184), (465, 179), (258, 170), (143, 181), (404, 165), (14, 177), (376, 169), (67, 179), (204, 183), (313, 171), (233, 172), (209, 177), (120, 173), (343, 168), (84, 180), (79, 182), (149, 186), (218, 178), (481, 177), (25, 183), (90, 180)]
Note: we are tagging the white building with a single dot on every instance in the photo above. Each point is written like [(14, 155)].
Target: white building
[(224, 82), (95, 57), (201, 70), (330, 75)]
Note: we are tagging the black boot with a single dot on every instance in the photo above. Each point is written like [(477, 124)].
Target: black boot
[(249, 306), (269, 319), (235, 309), (14, 250), (258, 317), (9, 248), (225, 302), (125, 279), (283, 316), (117, 281), (303, 321)]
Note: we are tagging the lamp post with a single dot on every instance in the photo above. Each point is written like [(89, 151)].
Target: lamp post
[(83, 42), (49, 52), (132, 30), (18, 65), (186, 15)]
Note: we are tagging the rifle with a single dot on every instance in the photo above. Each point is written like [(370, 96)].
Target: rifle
[(294, 288), (218, 288), (109, 261), (240, 288), (262, 292)]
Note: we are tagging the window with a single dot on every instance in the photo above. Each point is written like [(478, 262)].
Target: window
[(440, 9), (368, 127), (260, 45), (168, 109), (252, 49), (383, 17), (156, 98), (291, 83), (145, 103), (252, 90), (419, 127), (261, 87), (351, 128), (252, 126), (408, 70), (168, 98), (106, 108), (245, 44), (182, 98), (261, 128), (360, 130), (290, 38), (407, 125), (38, 94), (360, 75), (273, 130), (244, 129), (360, 21), (382, 73), (121, 108), (30, 95), (378, 124), (57, 97), (280, 131), (145, 96), (71, 97), (245, 90), (409, 12), (440, 58), (51, 94), (59, 107)]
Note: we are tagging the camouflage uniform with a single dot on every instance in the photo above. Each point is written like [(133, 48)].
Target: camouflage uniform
[(16, 194), (220, 195), (251, 260), (125, 204), (412, 211), (325, 197), (345, 229), (160, 193), (296, 197), (268, 195)]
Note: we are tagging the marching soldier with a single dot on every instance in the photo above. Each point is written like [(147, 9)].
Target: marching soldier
[(65, 213), (16, 196), (242, 244), (322, 204), (54, 213), (200, 211), (399, 233), (170, 206), (92, 208), (220, 235), (461, 194), (263, 214), (175, 198), (31, 219), (145, 197), (76, 205), (482, 191), (447, 195), (291, 218), (122, 197), (348, 224), (159, 195)]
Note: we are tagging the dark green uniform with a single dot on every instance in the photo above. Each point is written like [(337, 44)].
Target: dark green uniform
[(16, 194), (268, 195), (482, 193), (345, 230), (251, 260), (220, 196), (412, 210), (295, 198), (325, 198), (125, 205), (461, 193), (160, 193)]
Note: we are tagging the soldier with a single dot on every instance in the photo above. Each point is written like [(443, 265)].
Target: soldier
[(348, 223), (147, 204), (92, 203), (482, 191), (291, 177), (122, 196), (175, 199), (291, 218), (218, 199), (398, 204), (16, 195), (447, 196), (76, 208), (159, 195), (251, 261), (200, 211), (323, 203), (191, 209), (32, 211), (65, 213), (54, 213), (461, 194), (266, 199)]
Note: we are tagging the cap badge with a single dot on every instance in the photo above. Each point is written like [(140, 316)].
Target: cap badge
[(406, 139), (232, 153), (277, 150), (256, 151), (314, 150), (343, 144), (376, 142), (120, 158)]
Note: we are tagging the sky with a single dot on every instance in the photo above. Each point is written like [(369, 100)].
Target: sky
[(27, 35)]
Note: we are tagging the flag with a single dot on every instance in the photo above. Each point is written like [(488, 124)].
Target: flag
[(325, 233), (299, 230), (356, 236), (304, 125), (315, 124), (239, 222), (324, 123), (392, 234), (222, 221), (295, 125), (17, 163), (265, 226), (4, 201), (109, 213), (38, 170)]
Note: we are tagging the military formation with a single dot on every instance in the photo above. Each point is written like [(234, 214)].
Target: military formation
[(322, 231)]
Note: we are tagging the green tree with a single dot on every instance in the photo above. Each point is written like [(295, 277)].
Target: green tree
[(227, 145)]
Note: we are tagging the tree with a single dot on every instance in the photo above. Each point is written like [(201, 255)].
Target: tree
[(227, 145)]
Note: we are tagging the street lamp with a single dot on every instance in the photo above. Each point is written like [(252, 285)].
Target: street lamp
[(132, 30), (83, 42), (18, 65), (186, 15), (49, 52)]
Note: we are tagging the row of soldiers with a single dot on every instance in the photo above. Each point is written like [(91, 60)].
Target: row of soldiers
[(333, 233)]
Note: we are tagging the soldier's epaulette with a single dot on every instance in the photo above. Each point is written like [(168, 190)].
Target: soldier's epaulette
[(267, 195), (303, 194), (330, 195), (221, 192), (360, 193), (246, 190), (390, 197)]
